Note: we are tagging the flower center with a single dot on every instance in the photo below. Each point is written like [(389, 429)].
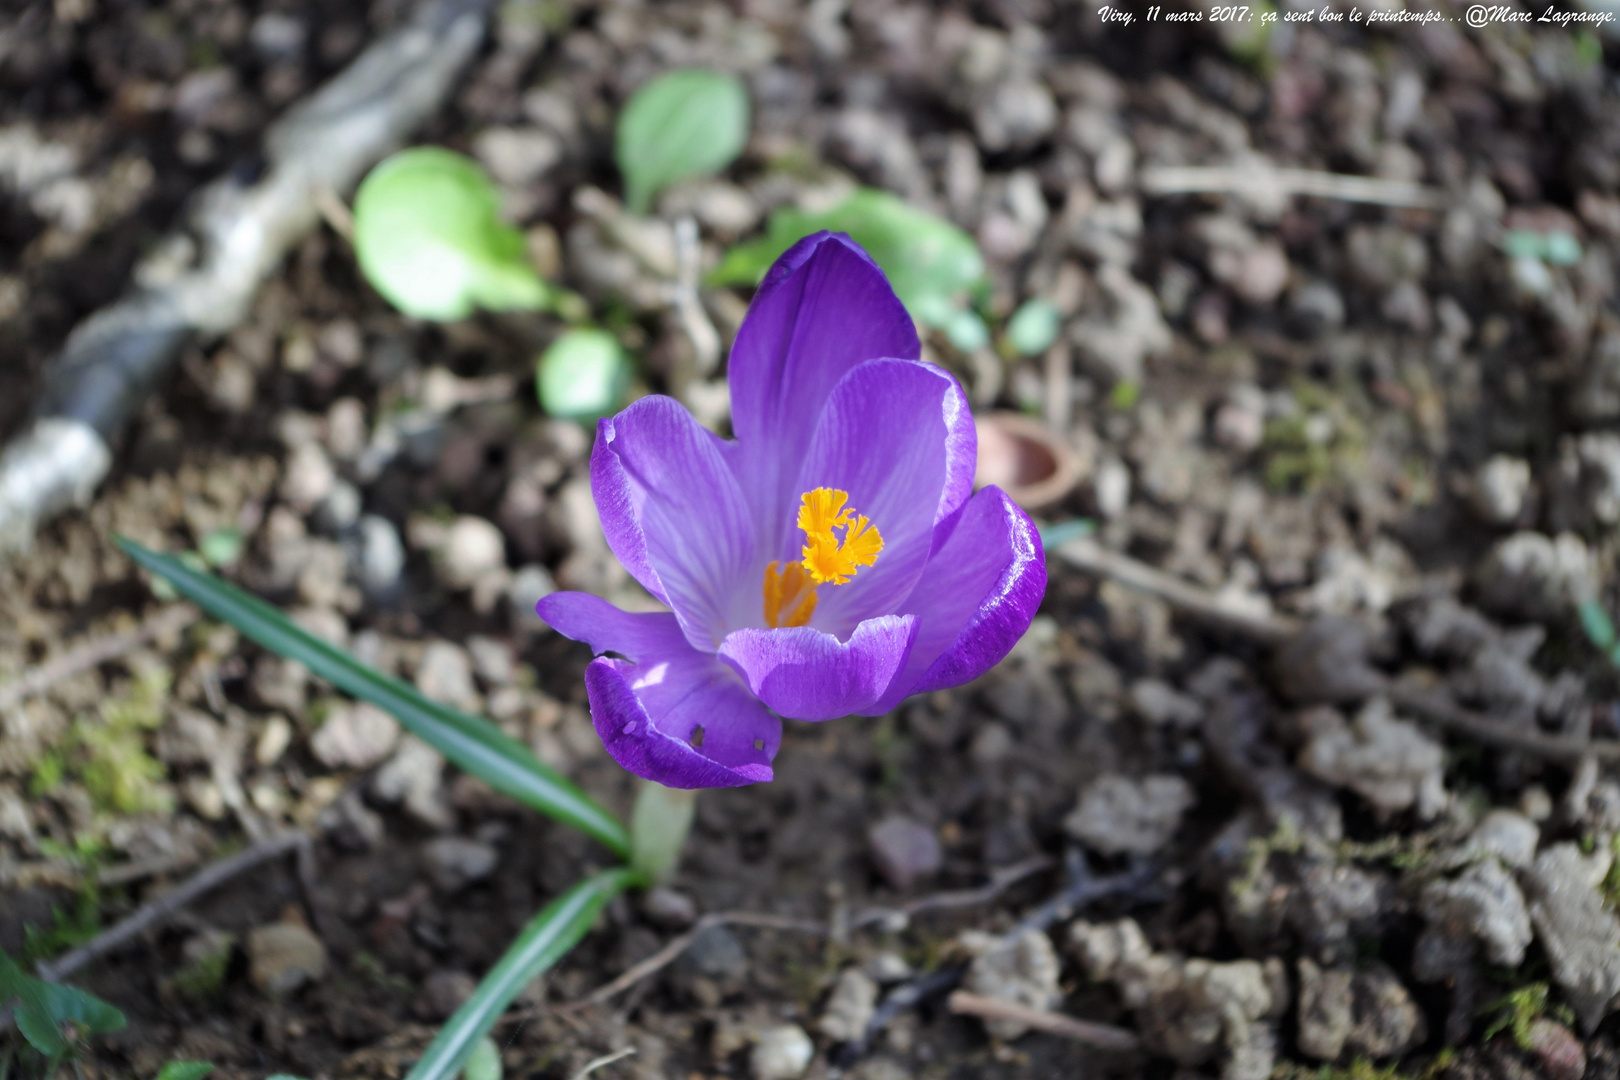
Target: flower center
[(838, 542)]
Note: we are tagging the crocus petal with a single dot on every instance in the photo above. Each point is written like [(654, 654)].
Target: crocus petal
[(805, 674), (976, 598), (648, 706), (898, 436), (821, 310), (673, 514)]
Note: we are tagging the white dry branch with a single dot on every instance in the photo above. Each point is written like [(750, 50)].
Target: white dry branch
[(239, 229)]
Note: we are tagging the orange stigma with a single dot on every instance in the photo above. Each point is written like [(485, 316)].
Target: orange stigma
[(828, 557)]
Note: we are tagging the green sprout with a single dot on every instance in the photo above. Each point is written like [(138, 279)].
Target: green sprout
[(681, 126), (1518, 1011), (430, 239), (1033, 328), (933, 265), (583, 375)]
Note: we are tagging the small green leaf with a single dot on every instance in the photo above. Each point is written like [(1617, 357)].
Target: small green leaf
[(474, 745), (429, 237), (931, 264), (1033, 327), (545, 940), (680, 126), (1125, 395), (221, 547), (583, 375), (966, 331), (44, 1010), (185, 1070), (484, 1063)]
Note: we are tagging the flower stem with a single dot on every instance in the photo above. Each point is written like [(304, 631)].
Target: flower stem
[(658, 826)]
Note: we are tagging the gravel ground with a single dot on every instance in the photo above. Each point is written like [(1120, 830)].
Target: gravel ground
[(1393, 426)]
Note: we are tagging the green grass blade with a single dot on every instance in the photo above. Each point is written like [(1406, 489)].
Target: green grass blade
[(543, 942), (473, 745)]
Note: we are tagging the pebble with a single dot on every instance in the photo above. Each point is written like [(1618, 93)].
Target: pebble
[(274, 738), (715, 954), (1483, 903), (275, 35), (668, 908), (284, 956), (782, 1053), (1111, 487), (1021, 969), (528, 587), (1533, 576), (1499, 489), (888, 967), (355, 735), (517, 156), (307, 477), (415, 776), (1389, 762), (1119, 814), (1016, 114), (442, 993), (445, 674), (472, 548), (1159, 703), (492, 660), (904, 851), (454, 862), (1556, 1049), (1576, 928), (849, 1007), (340, 509), (382, 554)]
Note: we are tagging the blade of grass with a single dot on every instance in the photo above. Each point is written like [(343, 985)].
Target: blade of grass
[(474, 745), (544, 941)]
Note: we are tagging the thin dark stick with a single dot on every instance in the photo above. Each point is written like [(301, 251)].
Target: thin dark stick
[(94, 653), (148, 915)]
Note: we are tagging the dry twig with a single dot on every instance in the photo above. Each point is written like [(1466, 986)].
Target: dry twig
[(95, 652), (1276, 185), (1103, 1036), (605, 1060), (155, 911)]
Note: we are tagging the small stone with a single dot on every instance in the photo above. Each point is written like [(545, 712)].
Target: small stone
[(274, 738), (1556, 1049), (849, 1007), (667, 908), (517, 155), (1111, 487), (1022, 969), (415, 776), (1499, 489), (1326, 1005), (1387, 1020), (473, 547), (1158, 702), (492, 660), (382, 554), (1579, 933), (445, 675), (904, 851), (308, 476), (340, 510), (442, 993), (354, 735), (1015, 114), (284, 956), (782, 1053), (454, 862), (715, 954), (1508, 835), (1389, 762), (1533, 576), (1484, 903), (276, 35), (1118, 814), (887, 967), (530, 585)]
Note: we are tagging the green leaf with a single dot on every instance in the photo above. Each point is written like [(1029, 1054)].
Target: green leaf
[(429, 237), (43, 1010), (583, 375), (544, 941), (473, 745), (680, 126), (484, 1063), (185, 1070), (1033, 327), (931, 264)]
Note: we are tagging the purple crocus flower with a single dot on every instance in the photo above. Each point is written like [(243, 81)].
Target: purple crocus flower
[(832, 559)]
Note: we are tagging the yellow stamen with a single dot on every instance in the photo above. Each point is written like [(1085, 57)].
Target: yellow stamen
[(828, 557), (790, 595), (790, 591)]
